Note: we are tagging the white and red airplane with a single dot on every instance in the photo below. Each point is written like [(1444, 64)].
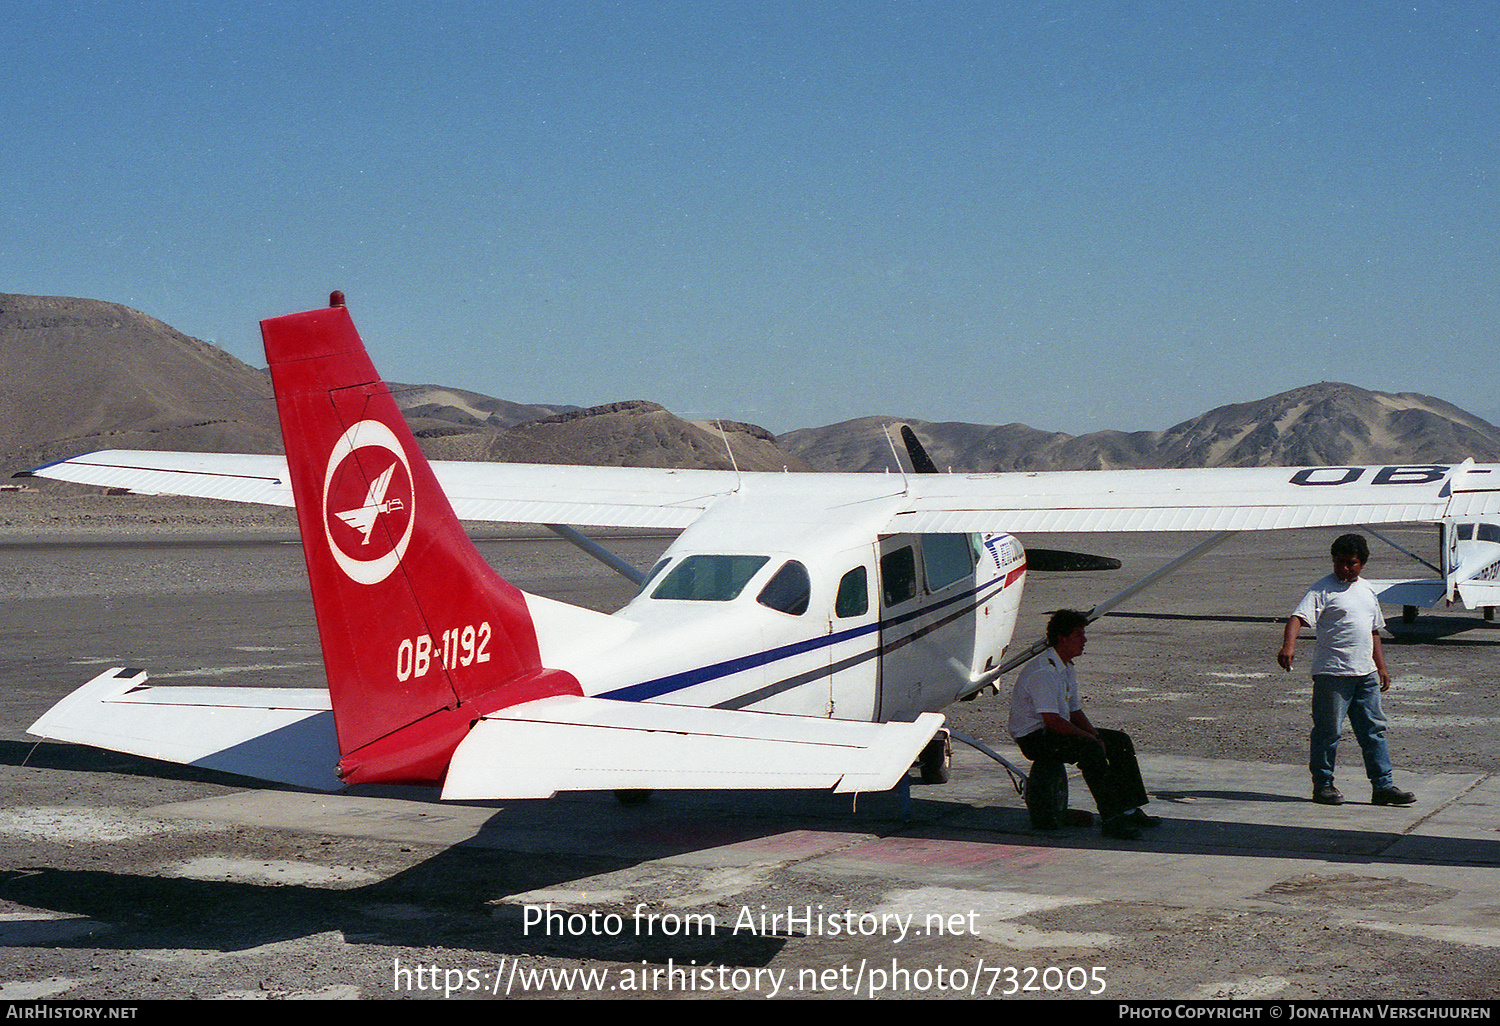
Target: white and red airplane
[(802, 631)]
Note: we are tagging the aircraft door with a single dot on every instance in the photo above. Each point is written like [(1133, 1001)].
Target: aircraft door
[(926, 622), (854, 629)]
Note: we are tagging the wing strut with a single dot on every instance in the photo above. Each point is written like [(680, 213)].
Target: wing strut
[(599, 552), (1404, 552)]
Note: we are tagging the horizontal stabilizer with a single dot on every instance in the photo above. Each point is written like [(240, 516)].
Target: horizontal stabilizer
[(279, 734), (1479, 593), (568, 743), (1422, 593)]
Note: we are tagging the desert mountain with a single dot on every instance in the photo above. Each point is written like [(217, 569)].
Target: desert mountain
[(79, 374), (1325, 424), (432, 405), (634, 433)]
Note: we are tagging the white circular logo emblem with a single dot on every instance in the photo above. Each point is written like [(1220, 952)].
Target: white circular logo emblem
[(368, 502)]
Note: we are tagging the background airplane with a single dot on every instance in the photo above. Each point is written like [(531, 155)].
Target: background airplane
[(1469, 550), (802, 631)]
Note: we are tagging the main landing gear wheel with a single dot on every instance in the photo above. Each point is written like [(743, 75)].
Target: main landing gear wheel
[(1408, 614), (936, 761), (1047, 794)]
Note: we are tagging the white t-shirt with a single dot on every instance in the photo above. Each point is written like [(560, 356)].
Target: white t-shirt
[(1046, 684), (1345, 616)]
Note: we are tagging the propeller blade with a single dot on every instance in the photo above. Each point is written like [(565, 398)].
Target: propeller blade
[(1036, 559), (921, 463)]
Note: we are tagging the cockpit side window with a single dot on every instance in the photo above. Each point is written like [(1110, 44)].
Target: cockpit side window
[(788, 590), (709, 578), (854, 594)]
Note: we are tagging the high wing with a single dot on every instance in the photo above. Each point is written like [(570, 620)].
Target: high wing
[(1224, 499)]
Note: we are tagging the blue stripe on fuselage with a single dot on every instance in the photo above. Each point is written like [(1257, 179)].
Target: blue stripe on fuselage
[(689, 678)]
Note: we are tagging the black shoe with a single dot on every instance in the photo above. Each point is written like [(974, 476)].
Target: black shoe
[(1392, 795), (1139, 818), (1327, 794), (1120, 829)]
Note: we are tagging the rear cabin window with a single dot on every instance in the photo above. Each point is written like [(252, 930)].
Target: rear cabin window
[(788, 590), (709, 578), (898, 575), (947, 558)]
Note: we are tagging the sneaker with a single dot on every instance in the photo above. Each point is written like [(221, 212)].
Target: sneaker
[(1392, 795), (1327, 794), (1139, 818), (1120, 829)]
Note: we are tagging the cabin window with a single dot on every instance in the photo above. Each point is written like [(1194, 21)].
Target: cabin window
[(854, 594), (709, 578), (898, 575), (947, 558), (788, 590)]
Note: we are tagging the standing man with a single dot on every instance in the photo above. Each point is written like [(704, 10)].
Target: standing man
[(1348, 672), (1047, 722)]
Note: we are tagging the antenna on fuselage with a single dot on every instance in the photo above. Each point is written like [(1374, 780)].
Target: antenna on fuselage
[(895, 455), (724, 437)]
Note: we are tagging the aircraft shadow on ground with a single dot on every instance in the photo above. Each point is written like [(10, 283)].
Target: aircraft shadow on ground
[(54, 755), (462, 896), (446, 901), (1428, 629)]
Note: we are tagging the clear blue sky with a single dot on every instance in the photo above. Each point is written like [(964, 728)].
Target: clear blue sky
[(1073, 215)]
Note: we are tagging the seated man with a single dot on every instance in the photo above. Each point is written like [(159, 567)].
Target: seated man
[(1048, 723)]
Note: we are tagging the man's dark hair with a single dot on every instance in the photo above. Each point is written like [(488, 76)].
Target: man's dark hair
[(1063, 623), (1350, 545)]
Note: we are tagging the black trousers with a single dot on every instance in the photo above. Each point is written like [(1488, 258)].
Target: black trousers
[(1113, 776)]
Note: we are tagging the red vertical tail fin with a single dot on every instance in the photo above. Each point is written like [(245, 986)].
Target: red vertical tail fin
[(420, 636)]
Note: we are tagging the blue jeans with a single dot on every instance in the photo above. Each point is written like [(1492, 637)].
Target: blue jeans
[(1359, 698)]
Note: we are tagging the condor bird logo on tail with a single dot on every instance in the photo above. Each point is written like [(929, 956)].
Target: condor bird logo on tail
[(362, 518), (349, 501)]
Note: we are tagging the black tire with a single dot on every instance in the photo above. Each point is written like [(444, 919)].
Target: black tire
[(1408, 614), (936, 761), (1047, 794), (633, 796)]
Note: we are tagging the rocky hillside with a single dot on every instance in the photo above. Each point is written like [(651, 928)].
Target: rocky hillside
[(1324, 424), (79, 374)]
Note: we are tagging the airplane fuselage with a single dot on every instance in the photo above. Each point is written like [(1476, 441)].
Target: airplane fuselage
[(753, 612)]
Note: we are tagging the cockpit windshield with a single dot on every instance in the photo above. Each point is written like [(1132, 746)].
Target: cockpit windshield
[(709, 578)]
